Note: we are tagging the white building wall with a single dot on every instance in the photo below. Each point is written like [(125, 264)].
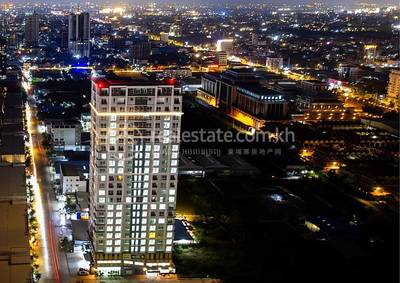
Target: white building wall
[(72, 184), (134, 174)]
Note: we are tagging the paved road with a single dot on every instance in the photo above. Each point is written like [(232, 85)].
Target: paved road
[(52, 261)]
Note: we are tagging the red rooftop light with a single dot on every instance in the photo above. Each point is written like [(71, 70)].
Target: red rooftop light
[(171, 81), (101, 83)]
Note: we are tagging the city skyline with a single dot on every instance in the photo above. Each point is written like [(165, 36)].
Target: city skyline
[(347, 4), (199, 143)]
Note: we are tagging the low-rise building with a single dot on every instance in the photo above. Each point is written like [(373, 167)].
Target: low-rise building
[(72, 178), (12, 149), (15, 260), (313, 85), (274, 63), (65, 134), (322, 106), (222, 58), (177, 72)]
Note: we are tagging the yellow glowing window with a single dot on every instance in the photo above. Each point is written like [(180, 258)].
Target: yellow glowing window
[(119, 178), (152, 235)]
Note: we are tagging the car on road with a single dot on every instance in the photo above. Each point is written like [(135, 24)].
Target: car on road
[(83, 272)]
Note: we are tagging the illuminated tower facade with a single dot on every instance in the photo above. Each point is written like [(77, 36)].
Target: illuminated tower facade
[(133, 173), (79, 35), (393, 95)]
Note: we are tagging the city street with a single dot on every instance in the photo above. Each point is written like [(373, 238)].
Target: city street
[(52, 261)]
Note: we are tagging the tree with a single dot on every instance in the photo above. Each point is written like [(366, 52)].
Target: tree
[(70, 207), (37, 276), (65, 244), (28, 160)]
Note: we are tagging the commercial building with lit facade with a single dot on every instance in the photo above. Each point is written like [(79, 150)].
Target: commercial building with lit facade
[(322, 106), (393, 95), (133, 173), (225, 45), (240, 94)]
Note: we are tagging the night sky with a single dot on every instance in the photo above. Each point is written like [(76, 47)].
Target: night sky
[(348, 3)]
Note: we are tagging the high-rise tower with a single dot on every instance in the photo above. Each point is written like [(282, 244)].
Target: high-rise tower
[(133, 173), (79, 35), (32, 30)]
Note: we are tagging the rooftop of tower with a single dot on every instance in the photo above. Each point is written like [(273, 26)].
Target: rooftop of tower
[(131, 78)]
